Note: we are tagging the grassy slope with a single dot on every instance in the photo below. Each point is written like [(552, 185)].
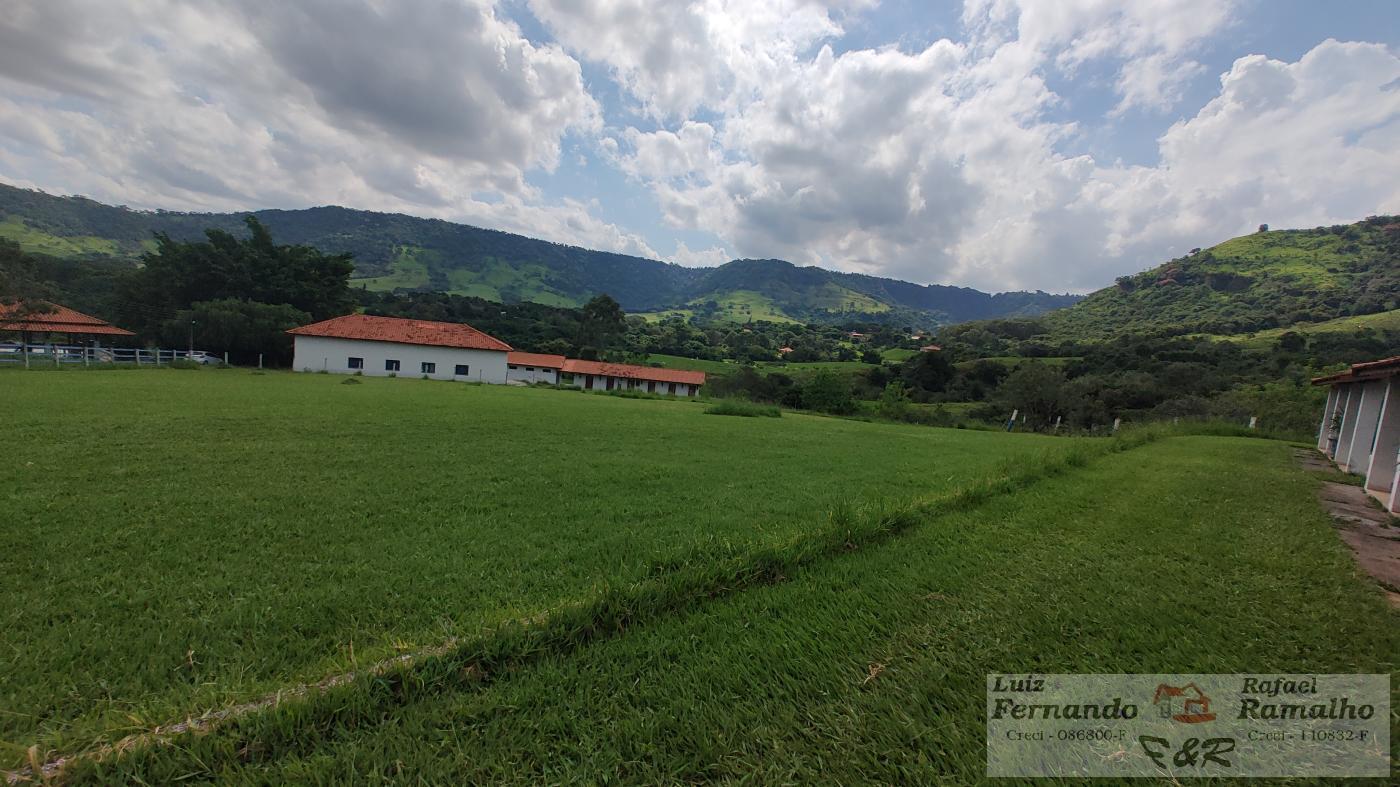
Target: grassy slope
[(409, 270), (39, 242), (175, 540), (1380, 321), (726, 367), (1243, 280), (869, 667)]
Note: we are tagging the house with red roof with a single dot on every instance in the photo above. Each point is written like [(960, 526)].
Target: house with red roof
[(601, 376), (384, 346), (533, 367)]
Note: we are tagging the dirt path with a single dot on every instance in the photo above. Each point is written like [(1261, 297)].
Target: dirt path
[(1372, 534)]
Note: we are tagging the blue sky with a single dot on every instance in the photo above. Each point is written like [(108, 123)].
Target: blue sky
[(1001, 144)]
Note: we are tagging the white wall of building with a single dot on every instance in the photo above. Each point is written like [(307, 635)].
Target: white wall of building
[(320, 353), (600, 383), (525, 373)]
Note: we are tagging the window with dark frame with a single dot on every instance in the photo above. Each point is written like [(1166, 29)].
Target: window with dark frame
[(462, 370), (391, 365), (357, 363), (428, 367)]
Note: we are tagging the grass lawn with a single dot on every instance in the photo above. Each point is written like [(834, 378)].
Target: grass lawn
[(868, 665), (179, 540)]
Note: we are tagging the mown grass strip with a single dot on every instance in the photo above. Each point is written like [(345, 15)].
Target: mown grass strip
[(355, 699)]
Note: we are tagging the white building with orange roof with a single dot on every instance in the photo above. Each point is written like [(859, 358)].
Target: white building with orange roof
[(394, 346), (601, 376)]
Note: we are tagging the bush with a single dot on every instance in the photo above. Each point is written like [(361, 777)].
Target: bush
[(743, 409), (894, 402), (828, 392)]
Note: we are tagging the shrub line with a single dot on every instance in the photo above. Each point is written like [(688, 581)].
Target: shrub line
[(674, 585)]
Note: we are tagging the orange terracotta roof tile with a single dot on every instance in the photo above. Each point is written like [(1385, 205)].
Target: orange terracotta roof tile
[(402, 331), (628, 371), (1370, 370), (535, 359), (60, 320)]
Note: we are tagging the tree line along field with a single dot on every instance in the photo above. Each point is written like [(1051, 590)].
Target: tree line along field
[(186, 540), (178, 540)]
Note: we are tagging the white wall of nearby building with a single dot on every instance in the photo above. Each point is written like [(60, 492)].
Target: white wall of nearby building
[(600, 383), (320, 353), (1361, 432), (525, 373)]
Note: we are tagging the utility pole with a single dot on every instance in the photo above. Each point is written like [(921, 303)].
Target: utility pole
[(191, 349)]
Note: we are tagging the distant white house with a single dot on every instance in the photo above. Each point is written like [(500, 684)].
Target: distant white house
[(599, 376), (533, 367), (383, 346)]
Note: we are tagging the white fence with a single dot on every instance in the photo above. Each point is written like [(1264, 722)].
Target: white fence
[(57, 354)]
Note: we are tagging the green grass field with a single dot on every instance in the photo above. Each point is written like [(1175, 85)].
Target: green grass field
[(182, 539), (794, 599)]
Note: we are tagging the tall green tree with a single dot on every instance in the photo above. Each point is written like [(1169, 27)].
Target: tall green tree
[(602, 324), (243, 329), (179, 274), (22, 290)]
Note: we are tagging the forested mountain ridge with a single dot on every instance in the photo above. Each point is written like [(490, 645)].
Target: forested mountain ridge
[(1268, 279), (398, 252)]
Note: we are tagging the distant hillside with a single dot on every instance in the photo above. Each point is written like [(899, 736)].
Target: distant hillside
[(394, 251), (1270, 279)]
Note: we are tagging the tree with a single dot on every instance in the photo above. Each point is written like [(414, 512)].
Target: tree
[(894, 402), (603, 321), (21, 288), (243, 329), (1292, 342), (828, 392), (1034, 389), (871, 357), (929, 372), (179, 274)]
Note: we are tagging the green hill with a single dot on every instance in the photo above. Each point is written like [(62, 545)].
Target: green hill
[(398, 252), (1268, 280)]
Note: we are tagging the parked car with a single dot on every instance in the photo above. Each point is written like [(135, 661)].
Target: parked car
[(204, 358)]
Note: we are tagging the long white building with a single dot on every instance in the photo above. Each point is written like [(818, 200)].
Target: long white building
[(1361, 426), (384, 346), (601, 376), (534, 367)]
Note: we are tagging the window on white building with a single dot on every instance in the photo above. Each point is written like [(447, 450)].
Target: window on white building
[(391, 365), (462, 370), (428, 367), (357, 363)]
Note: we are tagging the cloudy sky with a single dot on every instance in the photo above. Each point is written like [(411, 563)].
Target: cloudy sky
[(1001, 144)]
